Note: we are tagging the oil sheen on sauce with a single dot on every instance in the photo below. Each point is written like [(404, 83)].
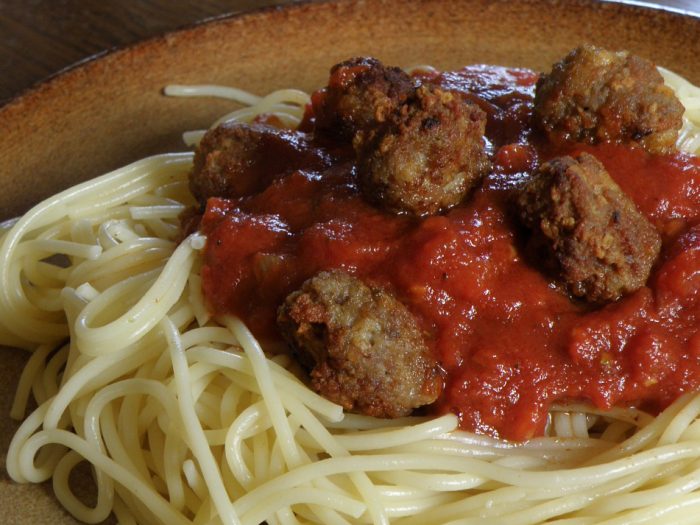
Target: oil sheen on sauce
[(510, 339)]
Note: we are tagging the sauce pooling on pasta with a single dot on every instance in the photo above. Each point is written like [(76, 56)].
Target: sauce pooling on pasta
[(510, 338)]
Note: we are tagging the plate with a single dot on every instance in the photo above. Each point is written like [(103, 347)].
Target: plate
[(110, 111)]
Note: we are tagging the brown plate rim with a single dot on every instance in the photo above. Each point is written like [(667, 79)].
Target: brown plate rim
[(117, 51), (84, 65)]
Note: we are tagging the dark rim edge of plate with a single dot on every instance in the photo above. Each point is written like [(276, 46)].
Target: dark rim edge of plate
[(658, 7), (105, 57), (82, 65)]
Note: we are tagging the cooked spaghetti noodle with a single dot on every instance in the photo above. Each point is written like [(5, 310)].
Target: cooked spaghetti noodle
[(187, 421)]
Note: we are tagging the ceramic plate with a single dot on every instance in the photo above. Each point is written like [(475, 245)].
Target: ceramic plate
[(110, 111)]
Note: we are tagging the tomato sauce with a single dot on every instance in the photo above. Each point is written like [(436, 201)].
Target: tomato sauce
[(510, 339)]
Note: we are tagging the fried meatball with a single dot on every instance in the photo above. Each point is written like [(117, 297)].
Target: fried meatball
[(594, 95), (427, 155), (600, 244), (363, 346), (360, 92), (238, 159)]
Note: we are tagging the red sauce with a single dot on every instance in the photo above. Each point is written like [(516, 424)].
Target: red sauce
[(511, 341)]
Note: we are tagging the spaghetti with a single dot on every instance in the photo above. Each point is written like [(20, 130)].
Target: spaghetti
[(187, 421)]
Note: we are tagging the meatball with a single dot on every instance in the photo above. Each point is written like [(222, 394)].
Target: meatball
[(594, 95), (360, 92), (363, 346), (238, 159), (597, 240), (427, 155)]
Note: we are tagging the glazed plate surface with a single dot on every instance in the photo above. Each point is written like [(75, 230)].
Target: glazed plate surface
[(111, 111)]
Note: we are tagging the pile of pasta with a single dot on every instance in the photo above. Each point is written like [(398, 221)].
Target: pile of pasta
[(184, 419)]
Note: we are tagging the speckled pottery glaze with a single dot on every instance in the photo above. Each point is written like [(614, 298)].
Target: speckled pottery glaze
[(109, 111)]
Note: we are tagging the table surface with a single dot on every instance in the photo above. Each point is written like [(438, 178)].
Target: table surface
[(40, 37)]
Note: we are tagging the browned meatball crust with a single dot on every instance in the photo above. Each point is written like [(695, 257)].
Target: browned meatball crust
[(594, 95), (427, 155), (602, 246), (238, 159), (360, 92), (363, 346)]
